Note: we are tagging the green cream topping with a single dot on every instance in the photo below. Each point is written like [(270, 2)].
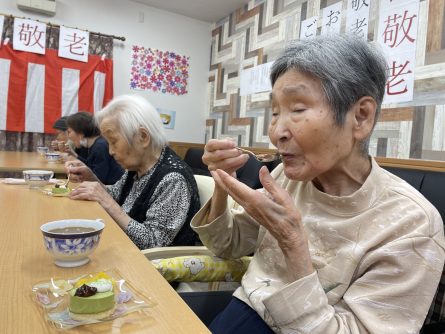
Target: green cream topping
[(100, 302), (60, 190)]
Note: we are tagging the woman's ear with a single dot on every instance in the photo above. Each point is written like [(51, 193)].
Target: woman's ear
[(364, 115), (144, 137)]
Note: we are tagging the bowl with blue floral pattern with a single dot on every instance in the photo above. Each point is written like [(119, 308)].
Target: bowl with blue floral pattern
[(71, 241)]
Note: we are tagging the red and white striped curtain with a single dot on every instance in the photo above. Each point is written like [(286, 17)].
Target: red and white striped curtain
[(35, 90)]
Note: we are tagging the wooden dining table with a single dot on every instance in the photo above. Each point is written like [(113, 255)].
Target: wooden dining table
[(13, 161), (24, 262)]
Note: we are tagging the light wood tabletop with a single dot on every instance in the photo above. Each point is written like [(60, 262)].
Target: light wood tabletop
[(24, 262), (12, 161)]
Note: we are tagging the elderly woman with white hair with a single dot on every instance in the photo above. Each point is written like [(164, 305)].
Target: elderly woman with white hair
[(155, 199), (340, 244)]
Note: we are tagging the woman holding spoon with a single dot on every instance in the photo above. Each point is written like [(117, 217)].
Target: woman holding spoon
[(340, 245)]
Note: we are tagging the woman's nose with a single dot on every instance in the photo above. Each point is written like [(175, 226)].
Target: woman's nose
[(281, 129)]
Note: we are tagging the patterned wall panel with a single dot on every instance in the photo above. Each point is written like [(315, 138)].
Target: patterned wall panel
[(258, 32)]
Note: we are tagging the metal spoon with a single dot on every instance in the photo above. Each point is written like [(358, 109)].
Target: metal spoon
[(64, 183), (262, 157)]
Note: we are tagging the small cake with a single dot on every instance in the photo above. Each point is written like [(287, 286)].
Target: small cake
[(92, 298), (60, 190)]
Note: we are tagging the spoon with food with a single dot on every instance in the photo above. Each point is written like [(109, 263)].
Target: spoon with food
[(262, 157)]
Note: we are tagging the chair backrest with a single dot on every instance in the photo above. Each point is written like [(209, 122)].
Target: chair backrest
[(193, 158), (431, 184), (206, 184), (157, 253)]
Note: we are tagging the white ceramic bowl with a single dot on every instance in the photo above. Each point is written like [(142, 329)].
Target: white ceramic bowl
[(37, 178), (42, 150), (71, 248), (52, 156)]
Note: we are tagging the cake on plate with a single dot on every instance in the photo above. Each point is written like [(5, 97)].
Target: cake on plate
[(60, 190), (92, 298)]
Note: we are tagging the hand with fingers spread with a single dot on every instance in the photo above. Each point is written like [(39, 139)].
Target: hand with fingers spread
[(275, 210)]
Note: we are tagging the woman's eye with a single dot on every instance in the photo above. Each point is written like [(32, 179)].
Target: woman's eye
[(299, 110)]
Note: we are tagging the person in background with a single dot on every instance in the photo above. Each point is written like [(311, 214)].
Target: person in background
[(340, 244), (84, 133), (61, 134), (154, 201), (63, 144)]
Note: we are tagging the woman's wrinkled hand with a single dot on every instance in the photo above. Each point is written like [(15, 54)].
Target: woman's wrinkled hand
[(222, 154), (274, 209), (90, 191), (79, 172)]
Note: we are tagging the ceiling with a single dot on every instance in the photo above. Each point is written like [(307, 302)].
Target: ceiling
[(203, 10)]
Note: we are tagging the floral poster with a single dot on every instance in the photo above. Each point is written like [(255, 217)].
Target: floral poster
[(159, 71)]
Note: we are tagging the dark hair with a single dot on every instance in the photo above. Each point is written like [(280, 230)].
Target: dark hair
[(60, 124), (347, 67), (83, 122)]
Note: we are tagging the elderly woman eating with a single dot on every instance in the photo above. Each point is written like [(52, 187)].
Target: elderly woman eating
[(83, 133), (340, 245), (155, 199)]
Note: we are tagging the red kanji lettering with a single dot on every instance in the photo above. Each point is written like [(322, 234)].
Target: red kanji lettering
[(30, 36), (394, 80), (76, 44), (397, 29)]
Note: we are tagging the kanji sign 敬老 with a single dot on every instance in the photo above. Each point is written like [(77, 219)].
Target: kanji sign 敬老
[(400, 80), (73, 44), (357, 18), (29, 35), (397, 35)]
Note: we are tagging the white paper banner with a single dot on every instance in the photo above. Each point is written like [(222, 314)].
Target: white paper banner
[(357, 18), (2, 21), (397, 35), (400, 84), (331, 22), (29, 36), (309, 28), (73, 44), (398, 26), (255, 79)]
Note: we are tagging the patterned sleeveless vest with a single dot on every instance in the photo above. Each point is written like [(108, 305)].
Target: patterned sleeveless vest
[(170, 163)]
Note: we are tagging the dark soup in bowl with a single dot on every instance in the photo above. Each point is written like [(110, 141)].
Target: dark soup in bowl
[(71, 230)]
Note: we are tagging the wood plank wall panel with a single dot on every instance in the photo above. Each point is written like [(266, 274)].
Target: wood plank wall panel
[(439, 166), (258, 32)]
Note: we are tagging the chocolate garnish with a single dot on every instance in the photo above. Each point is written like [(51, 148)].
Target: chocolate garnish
[(85, 291)]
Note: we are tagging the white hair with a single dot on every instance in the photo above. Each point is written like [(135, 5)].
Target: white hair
[(131, 113)]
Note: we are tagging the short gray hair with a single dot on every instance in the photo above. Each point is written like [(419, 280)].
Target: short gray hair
[(132, 112), (347, 67)]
